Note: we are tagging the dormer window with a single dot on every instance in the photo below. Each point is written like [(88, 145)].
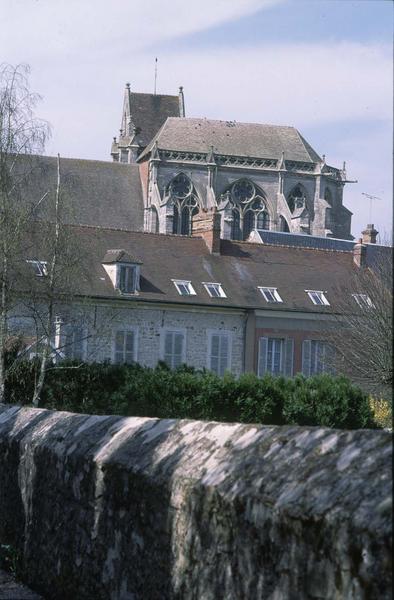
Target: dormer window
[(318, 297), (270, 294), (215, 290), (40, 267), (184, 288), (127, 279), (123, 270)]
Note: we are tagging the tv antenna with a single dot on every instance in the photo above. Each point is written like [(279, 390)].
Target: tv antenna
[(155, 74), (371, 198)]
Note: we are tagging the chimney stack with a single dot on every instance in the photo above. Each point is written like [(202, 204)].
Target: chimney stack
[(206, 224), (359, 252), (369, 234)]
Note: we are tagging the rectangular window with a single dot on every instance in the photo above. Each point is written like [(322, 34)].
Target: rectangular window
[(219, 352), (124, 347), (40, 267), (318, 297), (317, 357), (275, 356), (184, 288), (270, 294), (73, 342), (127, 279), (363, 300), (215, 290), (173, 348)]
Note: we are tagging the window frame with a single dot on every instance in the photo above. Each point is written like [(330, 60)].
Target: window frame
[(271, 290), (65, 346), (222, 293), (40, 266), (163, 332), (187, 283), (130, 267), (363, 301), (286, 358), (322, 347), (125, 329), (220, 332), (322, 293)]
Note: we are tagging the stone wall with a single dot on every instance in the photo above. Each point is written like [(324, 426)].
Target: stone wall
[(144, 509)]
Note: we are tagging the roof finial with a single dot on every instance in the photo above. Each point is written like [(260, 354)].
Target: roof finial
[(181, 102), (155, 75), (324, 159), (128, 86)]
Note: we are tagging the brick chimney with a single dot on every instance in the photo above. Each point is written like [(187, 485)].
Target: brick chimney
[(369, 235), (359, 252), (206, 224)]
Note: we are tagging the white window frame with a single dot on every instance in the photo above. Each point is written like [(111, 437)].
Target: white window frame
[(270, 290), (41, 267), (325, 357), (163, 332), (229, 335), (219, 287), (321, 294), (135, 270), (187, 284), (125, 329), (287, 344), (363, 300)]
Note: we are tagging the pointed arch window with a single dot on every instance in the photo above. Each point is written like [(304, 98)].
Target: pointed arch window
[(155, 220), (283, 224), (248, 209), (296, 199), (185, 200), (328, 195)]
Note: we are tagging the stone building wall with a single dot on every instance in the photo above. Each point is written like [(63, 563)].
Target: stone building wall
[(134, 508)]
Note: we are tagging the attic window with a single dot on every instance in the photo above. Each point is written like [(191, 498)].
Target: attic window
[(363, 300), (318, 297), (215, 290), (184, 288), (40, 267), (127, 279), (270, 294)]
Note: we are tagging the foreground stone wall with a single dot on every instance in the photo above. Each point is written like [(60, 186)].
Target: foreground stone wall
[(144, 509)]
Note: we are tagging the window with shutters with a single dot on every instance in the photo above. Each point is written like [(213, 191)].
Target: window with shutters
[(275, 356), (219, 352), (127, 279), (125, 346), (73, 342), (173, 347), (317, 357)]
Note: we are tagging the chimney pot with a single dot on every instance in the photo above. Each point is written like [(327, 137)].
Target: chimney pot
[(369, 234)]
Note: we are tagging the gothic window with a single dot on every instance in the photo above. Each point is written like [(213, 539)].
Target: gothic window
[(248, 209), (185, 201), (283, 225), (328, 195), (296, 198), (155, 220)]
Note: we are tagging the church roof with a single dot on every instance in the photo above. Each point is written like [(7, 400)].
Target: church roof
[(149, 112), (232, 138), (95, 193)]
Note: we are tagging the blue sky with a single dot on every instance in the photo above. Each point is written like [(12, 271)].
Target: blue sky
[(323, 66)]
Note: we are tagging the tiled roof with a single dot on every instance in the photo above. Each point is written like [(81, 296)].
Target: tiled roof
[(302, 240), (232, 138), (240, 268), (149, 112), (95, 193)]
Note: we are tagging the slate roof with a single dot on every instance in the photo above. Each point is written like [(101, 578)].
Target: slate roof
[(96, 193), (279, 238), (240, 268), (232, 138), (149, 112)]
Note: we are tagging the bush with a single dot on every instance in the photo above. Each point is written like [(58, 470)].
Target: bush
[(133, 390)]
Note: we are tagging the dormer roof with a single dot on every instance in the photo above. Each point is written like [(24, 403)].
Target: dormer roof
[(120, 256)]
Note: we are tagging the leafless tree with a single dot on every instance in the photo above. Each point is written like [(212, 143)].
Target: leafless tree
[(363, 337), (22, 137)]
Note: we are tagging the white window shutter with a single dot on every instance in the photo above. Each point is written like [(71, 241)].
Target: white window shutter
[(289, 352), (306, 358), (262, 366)]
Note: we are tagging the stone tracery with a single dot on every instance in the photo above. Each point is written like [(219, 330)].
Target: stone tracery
[(248, 209), (185, 201)]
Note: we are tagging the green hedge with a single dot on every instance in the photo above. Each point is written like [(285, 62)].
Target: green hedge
[(189, 393)]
